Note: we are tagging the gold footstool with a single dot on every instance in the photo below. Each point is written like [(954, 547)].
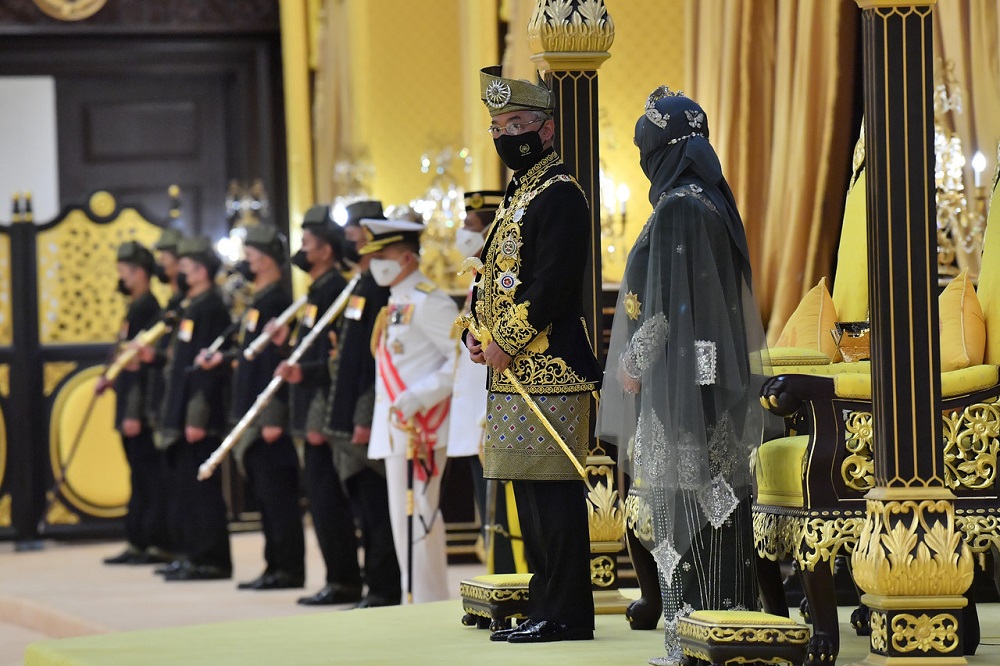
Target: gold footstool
[(494, 600), (738, 637)]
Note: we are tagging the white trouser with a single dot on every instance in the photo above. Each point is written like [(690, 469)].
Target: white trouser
[(430, 559)]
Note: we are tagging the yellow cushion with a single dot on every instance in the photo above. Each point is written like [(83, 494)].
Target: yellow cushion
[(794, 356), (989, 280), (779, 471), (955, 383), (963, 330), (500, 580), (850, 288), (740, 618), (811, 324)]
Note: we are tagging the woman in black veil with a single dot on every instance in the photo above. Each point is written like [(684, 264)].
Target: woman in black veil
[(680, 396)]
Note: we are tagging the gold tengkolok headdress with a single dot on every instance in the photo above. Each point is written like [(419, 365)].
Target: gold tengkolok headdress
[(502, 95)]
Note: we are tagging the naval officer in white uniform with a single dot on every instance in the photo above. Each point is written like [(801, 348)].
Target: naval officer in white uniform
[(415, 358)]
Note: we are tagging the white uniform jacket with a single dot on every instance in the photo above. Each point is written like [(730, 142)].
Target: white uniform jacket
[(417, 335)]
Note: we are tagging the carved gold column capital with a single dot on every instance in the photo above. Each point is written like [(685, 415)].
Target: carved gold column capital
[(570, 35)]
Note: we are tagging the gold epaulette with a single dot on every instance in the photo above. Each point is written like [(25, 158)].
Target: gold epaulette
[(378, 329), (426, 287)]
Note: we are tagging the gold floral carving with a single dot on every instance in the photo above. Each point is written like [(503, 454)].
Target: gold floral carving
[(53, 373), (639, 517), (970, 446), (980, 532), (879, 638), (823, 538), (696, 653), (493, 594), (5, 511), (561, 26), (912, 548), (59, 515), (925, 633), (858, 468), (602, 571), (607, 523), (775, 535), (793, 635)]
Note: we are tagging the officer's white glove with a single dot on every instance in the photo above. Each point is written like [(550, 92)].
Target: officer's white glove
[(407, 404)]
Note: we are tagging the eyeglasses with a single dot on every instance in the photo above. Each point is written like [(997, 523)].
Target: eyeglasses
[(512, 128)]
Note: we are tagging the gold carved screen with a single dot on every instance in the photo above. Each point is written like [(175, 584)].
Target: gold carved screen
[(77, 299)]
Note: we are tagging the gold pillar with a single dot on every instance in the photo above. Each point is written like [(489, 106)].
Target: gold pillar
[(568, 43), (910, 559)]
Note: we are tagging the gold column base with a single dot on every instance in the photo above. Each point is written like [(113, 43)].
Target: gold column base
[(610, 602), (915, 630)]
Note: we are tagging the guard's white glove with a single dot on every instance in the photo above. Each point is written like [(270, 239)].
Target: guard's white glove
[(407, 404)]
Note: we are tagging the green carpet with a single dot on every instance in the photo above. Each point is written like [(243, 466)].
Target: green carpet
[(424, 634)]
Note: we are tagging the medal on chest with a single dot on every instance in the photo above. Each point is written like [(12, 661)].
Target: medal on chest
[(251, 319), (400, 314)]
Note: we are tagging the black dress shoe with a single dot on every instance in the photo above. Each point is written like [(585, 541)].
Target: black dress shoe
[(128, 556), (503, 634), (550, 632), (199, 572), (280, 580), (172, 567), (252, 584), (332, 595), (375, 601)]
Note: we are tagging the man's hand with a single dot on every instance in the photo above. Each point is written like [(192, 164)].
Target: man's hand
[(194, 434), (290, 372), (475, 349), (131, 427), (279, 334), (315, 438), (406, 405), (133, 365), (207, 361), (270, 434), (147, 354), (102, 385), (362, 435), (496, 358)]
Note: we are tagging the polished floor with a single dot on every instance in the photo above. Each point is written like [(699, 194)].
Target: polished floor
[(64, 591)]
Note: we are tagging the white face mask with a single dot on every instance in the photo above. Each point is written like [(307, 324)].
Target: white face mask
[(469, 242), (385, 271)]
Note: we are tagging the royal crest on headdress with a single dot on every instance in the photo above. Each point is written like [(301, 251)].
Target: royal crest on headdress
[(497, 94), (655, 117)]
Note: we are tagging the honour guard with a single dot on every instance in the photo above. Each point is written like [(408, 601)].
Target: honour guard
[(193, 417), (320, 256), (144, 522), (530, 299), (415, 359), (349, 418), (265, 452)]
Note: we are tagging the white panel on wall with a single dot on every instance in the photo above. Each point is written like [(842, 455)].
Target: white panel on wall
[(29, 158)]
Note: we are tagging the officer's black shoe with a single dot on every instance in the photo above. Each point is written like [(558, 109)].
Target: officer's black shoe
[(550, 632), (172, 567), (128, 556), (199, 572), (503, 634), (280, 580), (375, 601), (331, 595), (252, 584)]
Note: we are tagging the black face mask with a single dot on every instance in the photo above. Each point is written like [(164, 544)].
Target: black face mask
[(160, 273), (299, 261), (243, 268), (123, 288), (519, 152), (182, 283)]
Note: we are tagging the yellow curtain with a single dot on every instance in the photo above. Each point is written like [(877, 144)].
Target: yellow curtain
[(775, 79), (332, 96)]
